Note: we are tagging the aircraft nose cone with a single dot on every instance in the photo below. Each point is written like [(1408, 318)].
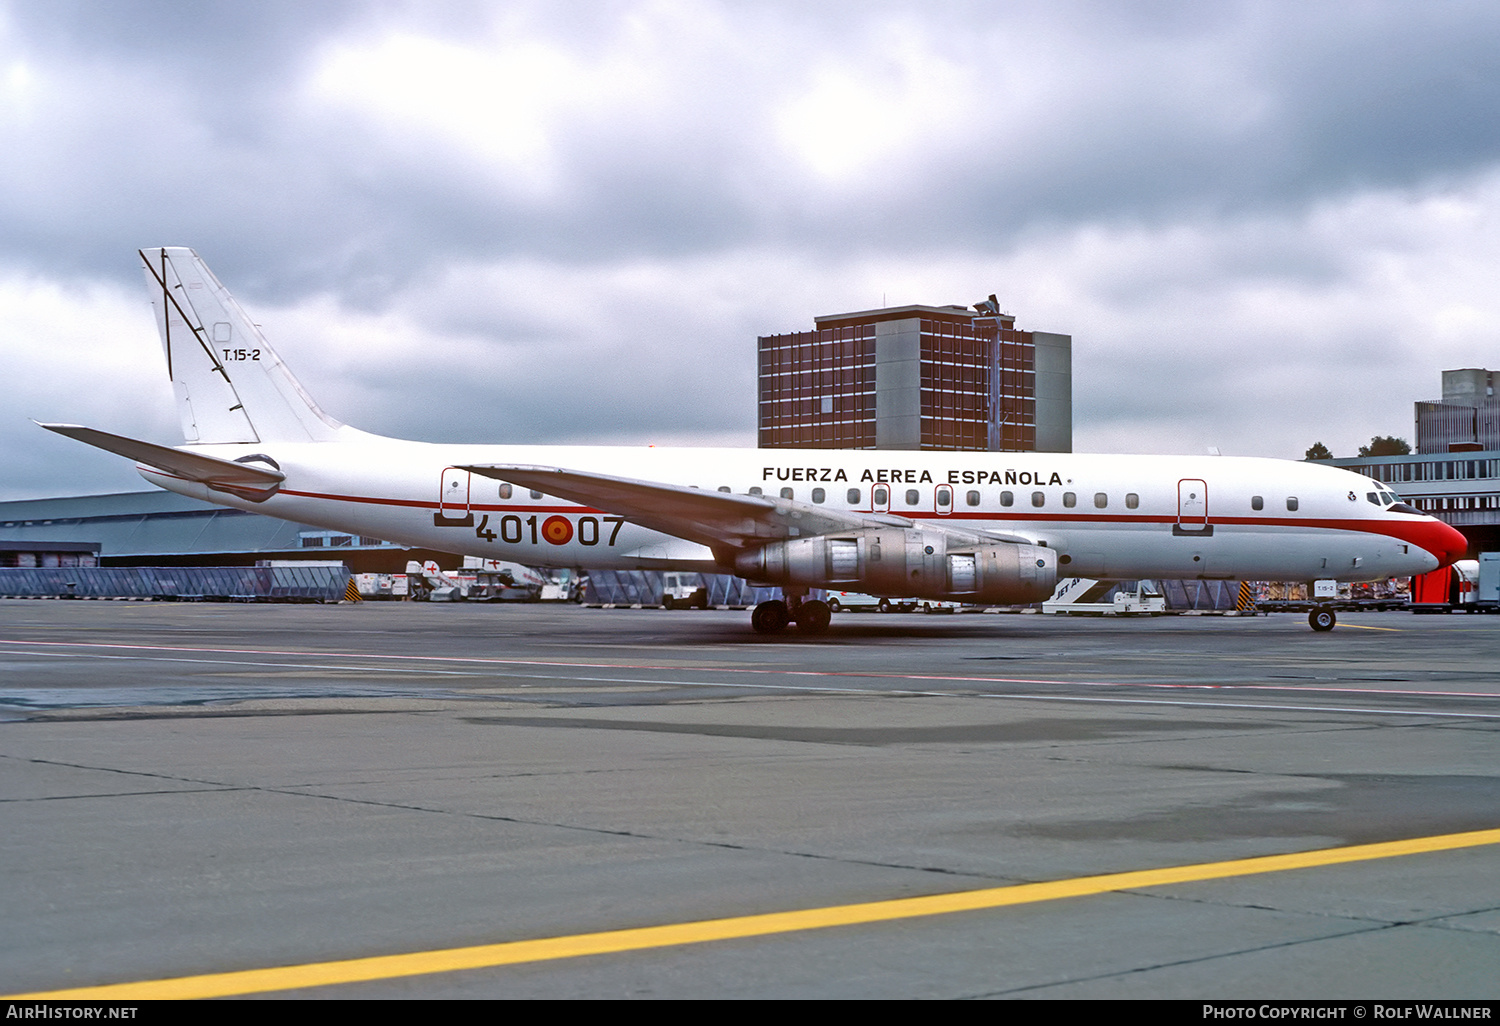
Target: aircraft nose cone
[(1444, 542)]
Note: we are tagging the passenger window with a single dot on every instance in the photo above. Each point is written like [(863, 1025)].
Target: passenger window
[(972, 498), (1291, 503), (913, 497), (853, 497), (819, 495), (945, 496), (505, 491), (724, 489), (786, 493), (1070, 499), (1132, 500), (755, 490), (1038, 499), (880, 495), (1007, 498), (1101, 500), (1256, 502), (535, 494)]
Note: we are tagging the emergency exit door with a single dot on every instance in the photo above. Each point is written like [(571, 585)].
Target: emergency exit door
[(453, 500), (1192, 504)]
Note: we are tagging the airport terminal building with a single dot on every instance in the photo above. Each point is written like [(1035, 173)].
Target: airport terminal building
[(1455, 472)]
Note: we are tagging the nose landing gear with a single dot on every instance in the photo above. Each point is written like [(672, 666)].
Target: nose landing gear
[(1322, 619)]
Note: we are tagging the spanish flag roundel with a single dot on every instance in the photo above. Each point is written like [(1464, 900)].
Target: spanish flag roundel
[(557, 530)]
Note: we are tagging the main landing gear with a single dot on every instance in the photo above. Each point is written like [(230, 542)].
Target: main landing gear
[(810, 616), (1322, 619)]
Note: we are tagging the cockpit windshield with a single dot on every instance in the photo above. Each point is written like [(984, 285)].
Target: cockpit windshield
[(1383, 498)]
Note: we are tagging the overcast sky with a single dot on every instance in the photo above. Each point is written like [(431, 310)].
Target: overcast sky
[(1264, 224)]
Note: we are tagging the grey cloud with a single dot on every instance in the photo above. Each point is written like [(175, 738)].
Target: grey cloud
[(185, 124), (1354, 96), (223, 45)]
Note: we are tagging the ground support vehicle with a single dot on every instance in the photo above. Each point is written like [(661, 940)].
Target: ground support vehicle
[(857, 601), (683, 591), (1083, 596), (1468, 586)]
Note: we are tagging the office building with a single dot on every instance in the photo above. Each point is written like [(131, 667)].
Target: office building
[(1465, 419), (917, 377)]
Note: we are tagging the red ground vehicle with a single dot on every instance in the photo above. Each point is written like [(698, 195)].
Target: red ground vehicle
[(1452, 588)]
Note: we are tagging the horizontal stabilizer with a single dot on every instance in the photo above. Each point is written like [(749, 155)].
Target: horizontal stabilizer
[(248, 482)]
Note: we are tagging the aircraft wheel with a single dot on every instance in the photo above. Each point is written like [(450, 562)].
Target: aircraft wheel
[(1322, 619), (770, 617), (833, 606), (813, 617)]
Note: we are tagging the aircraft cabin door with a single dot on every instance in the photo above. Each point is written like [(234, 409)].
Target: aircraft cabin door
[(453, 500), (1192, 504)]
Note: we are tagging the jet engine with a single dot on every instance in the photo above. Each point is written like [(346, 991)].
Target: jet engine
[(907, 562)]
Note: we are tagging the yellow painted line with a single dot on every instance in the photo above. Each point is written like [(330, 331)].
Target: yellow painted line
[(387, 967), (1363, 627)]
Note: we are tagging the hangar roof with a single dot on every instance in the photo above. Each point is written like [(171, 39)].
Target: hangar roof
[(145, 523)]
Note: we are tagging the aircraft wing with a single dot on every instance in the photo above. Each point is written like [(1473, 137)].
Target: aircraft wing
[(250, 482), (720, 520)]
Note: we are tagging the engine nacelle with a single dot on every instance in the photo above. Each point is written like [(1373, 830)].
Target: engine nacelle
[(901, 562)]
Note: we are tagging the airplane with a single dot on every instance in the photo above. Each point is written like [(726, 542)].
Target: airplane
[(994, 528)]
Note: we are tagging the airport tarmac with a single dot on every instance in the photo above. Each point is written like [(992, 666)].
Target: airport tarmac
[(198, 789)]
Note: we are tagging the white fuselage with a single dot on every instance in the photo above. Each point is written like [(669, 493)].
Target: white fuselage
[(1107, 516)]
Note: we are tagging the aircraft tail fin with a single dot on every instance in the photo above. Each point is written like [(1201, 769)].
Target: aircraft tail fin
[(230, 384)]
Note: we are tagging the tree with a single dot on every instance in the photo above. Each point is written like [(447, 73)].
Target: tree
[(1319, 451), (1386, 445)]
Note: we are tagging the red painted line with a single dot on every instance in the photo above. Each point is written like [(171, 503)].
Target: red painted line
[(1367, 526), (1400, 530), (438, 507), (748, 671), (1431, 534)]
